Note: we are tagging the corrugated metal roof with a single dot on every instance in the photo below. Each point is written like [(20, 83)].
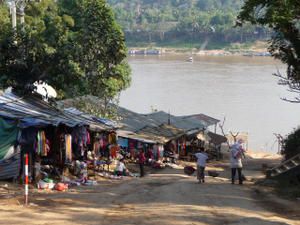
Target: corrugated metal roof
[(204, 119), (133, 121), (91, 118), (134, 136), (163, 132), (179, 122), (33, 111)]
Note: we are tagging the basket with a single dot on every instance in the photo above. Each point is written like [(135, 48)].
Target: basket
[(189, 170)]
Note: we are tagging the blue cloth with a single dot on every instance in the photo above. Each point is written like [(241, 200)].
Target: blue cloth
[(123, 142)]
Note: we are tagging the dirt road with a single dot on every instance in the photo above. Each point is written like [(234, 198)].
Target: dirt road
[(166, 197)]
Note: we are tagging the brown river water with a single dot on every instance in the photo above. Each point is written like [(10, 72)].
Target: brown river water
[(240, 88)]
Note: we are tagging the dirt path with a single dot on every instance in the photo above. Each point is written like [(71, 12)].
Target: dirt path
[(167, 197)]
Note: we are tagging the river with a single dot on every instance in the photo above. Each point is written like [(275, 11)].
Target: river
[(238, 88)]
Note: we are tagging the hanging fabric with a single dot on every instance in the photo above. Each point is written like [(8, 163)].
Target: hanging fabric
[(96, 147), (42, 146), (112, 138), (68, 142), (114, 149), (88, 138)]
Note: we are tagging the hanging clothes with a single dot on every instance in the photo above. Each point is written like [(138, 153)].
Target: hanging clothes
[(112, 138), (155, 151), (123, 142), (101, 142), (114, 149), (81, 136), (88, 138), (42, 147), (96, 147), (68, 143)]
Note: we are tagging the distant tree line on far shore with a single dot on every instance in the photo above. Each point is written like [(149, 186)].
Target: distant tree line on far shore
[(184, 23)]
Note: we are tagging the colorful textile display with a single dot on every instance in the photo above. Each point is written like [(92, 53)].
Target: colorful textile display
[(81, 136), (68, 142), (114, 149), (112, 138), (42, 144), (96, 147)]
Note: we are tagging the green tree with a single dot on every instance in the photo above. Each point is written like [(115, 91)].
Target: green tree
[(284, 18), (169, 22), (75, 46)]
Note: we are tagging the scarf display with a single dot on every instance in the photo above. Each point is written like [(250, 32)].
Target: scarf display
[(68, 142), (42, 144)]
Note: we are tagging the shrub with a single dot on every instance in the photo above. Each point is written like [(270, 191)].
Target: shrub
[(291, 144)]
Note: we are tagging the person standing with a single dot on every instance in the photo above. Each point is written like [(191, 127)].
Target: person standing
[(141, 160), (121, 168), (201, 164), (236, 155)]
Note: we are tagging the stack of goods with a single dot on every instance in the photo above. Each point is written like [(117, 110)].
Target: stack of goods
[(158, 165), (46, 184)]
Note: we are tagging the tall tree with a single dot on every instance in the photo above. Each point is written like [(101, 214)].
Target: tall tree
[(283, 16), (75, 46)]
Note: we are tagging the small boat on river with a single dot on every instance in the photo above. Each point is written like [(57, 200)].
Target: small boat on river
[(190, 59)]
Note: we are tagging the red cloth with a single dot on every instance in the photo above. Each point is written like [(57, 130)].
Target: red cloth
[(114, 150), (150, 154), (142, 157)]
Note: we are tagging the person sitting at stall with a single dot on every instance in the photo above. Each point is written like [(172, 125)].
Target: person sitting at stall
[(121, 168)]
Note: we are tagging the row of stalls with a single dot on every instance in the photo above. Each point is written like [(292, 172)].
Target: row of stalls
[(50, 136), (61, 138), (160, 133), (169, 135)]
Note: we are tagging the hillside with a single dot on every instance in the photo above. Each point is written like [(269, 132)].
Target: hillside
[(183, 23)]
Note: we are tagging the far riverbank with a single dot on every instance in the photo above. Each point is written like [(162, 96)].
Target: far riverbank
[(183, 51), (258, 48)]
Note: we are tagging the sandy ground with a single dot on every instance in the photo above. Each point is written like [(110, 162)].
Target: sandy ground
[(164, 197)]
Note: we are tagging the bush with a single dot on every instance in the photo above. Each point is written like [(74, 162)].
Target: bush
[(291, 144)]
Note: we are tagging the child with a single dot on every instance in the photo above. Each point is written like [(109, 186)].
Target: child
[(201, 163), (121, 168)]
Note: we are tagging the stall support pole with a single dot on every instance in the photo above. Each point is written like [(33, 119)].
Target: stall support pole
[(26, 179)]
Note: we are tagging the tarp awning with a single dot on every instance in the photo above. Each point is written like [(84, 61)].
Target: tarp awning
[(8, 136)]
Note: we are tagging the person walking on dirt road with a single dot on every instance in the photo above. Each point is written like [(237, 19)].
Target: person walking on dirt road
[(236, 155), (201, 163)]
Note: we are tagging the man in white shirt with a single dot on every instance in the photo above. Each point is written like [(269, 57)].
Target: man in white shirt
[(201, 163)]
